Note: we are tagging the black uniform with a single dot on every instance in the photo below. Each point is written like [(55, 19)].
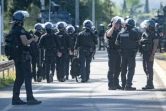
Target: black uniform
[(34, 54), (72, 38), (101, 39), (128, 45), (62, 62), (72, 44), (39, 56), (114, 61), (51, 44), (85, 41), (147, 47), (23, 68)]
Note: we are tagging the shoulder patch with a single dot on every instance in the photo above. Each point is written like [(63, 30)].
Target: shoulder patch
[(22, 30)]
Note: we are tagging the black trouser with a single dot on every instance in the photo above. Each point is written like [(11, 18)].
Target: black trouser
[(148, 68), (85, 58), (114, 67), (34, 64), (61, 65), (67, 65), (40, 62), (49, 65), (23, 73), (127, 67), (50, 60), (101, 43)]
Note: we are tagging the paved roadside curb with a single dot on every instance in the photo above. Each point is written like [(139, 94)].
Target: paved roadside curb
[(160, 72)]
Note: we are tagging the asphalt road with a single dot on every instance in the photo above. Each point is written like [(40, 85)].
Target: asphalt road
[(94, 95)]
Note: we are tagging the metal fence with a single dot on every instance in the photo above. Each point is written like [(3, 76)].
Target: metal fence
[(6, 66)]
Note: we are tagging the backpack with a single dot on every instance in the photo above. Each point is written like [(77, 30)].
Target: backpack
[(75, 68), (11, 46)]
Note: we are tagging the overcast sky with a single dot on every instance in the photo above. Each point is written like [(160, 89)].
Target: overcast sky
[(153, 4)]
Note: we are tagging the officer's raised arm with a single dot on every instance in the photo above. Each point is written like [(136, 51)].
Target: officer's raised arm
[(115, 21), (24, 39)]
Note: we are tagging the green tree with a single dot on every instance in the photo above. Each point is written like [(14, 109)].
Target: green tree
[(107, 8), (133, 8)]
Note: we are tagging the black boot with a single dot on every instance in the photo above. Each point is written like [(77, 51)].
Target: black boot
[(112, 88), (33, 102), (18, 102), (129, 88), (148, 87), (118, 87)]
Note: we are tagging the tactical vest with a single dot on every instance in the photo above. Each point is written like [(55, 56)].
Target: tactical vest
[(126, 42), (86, 39), (111, 43), (147, 43)]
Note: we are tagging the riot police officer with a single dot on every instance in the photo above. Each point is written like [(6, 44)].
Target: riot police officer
[(38, 32), (149, 43), (34, 50), (64, 40), (51, 45), (93, 29), (113, 54), (22, 61), (84, 42), (128, 41), (70, 31), (101, 37)]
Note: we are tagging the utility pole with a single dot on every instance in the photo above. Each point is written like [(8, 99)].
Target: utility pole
[(93, 12), (2, 25), (77, 12), (42, 4), (49, 19)]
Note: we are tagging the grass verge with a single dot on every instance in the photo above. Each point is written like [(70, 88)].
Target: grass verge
[(8, 78)]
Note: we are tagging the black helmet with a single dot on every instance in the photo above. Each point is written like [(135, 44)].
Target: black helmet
[(148, 24), (70, 29), (61, 25), (87, 24), (19, 16), (38, 26), (151, 24), (116, 19), (130, 23), (48, 25)]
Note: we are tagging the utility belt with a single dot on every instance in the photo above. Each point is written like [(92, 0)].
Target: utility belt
[(50, 52), (64, 50), (131, 52), (113, 48), (87, 49), (25, 56), (146, 48)]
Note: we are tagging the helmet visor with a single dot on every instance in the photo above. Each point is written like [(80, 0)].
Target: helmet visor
[(25, 13), (145, 24)]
